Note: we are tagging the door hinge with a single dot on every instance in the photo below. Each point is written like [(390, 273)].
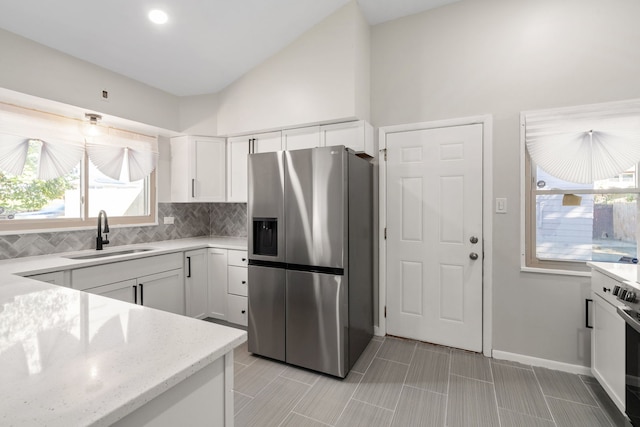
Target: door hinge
[(385, 233), (384, 151), (385, 311)]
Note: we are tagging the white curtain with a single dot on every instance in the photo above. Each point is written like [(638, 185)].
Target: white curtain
[(119, 154), (59, 140), (123, 155), (585, 144)]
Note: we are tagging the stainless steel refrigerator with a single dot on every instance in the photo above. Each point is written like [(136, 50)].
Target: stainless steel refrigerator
[(310, 216)]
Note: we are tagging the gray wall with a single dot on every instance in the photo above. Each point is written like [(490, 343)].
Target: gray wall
[(191, 220), (503, 57)]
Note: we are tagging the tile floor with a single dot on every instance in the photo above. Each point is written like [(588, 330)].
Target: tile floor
[(405, 383)]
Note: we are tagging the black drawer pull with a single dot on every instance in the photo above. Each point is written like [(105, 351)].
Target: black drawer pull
[(586, 313), (244, 282), (244, 311)]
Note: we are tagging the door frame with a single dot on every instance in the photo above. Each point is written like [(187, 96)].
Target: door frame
[(487, 217)]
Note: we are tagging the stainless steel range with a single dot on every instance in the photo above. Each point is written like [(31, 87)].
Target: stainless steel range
[(629, 294)]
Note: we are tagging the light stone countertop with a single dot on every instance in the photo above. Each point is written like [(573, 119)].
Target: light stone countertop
[(70, 358), (619, 271)]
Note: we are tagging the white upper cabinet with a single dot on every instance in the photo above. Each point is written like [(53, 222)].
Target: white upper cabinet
[(237, 150), (355, 135), (298, 139), (198, 172)]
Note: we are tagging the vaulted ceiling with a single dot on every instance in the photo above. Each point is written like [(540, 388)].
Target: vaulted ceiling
[(204, 46)]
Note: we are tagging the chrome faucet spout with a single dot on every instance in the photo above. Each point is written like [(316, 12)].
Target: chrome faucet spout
[(99, 240)]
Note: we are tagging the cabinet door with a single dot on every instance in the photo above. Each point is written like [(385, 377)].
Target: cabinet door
[(237, 151), (196, 283), (123, 291), (237, 310), (217, 302), (267, 142), (164, 291), (608, 349), (298, 139), (209, 170), (238, 280), (355, 135)]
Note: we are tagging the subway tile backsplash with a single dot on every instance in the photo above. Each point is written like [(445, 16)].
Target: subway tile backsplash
[(191, 220)]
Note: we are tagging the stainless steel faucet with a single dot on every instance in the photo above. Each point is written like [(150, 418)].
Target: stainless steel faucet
[(99, 240)]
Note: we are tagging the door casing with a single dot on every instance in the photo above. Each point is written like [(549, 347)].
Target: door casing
[(487, 214)]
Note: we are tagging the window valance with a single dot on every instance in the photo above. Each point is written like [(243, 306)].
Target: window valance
[(61, 145), (585, 144)]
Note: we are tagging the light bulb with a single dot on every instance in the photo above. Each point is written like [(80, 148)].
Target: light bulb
[(158, 16)]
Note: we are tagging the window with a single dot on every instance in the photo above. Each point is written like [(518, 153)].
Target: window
[(580, 185), (53, 177)]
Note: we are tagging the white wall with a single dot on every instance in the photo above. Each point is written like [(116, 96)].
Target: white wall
[(503, 57), (320, 77), (198, 115), (34, 69)]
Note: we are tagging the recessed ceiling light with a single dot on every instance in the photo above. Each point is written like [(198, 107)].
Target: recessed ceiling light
[(158, 16)]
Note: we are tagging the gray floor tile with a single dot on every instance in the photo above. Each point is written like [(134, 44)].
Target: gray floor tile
[(377, 338), (397, 350), (563, 386), (609, 408), (470, 365), (240, 401), (588, 379), (572, 414), (256, 376), (300, 375), (237, 367), (366, 357), (433, 347), (429, 370), (272, 405), (382, 383), (242, 355), (297, 420), (518, 390), (419, 408), (360, 414), (516, 419), (471, 403), (328, 397)]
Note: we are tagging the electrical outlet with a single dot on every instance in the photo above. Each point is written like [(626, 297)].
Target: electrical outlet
[(168, 220), (501, 205), (105, 96)]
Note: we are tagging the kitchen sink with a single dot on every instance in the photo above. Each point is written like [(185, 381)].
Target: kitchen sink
[(109, 254)]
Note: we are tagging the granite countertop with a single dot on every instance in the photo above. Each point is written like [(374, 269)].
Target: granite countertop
[(73, 358)]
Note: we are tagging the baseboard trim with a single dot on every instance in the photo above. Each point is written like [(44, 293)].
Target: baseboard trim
[(544, 363)]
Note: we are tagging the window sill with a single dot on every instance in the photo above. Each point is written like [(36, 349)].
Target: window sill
[(556, 272)]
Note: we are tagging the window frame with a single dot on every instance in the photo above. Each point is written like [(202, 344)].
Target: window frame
[(12, 226), (528, 260)]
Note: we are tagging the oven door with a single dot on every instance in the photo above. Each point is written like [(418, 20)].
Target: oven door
[(632, 365)]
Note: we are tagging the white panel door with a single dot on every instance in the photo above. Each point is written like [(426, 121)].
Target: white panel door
[(164, 291), (196, 282), (434, 235), (299, 139), (267, 142), (217, 301), (237, 152)]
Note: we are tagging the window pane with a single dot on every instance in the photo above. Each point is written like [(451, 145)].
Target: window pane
[(544, 181), (27, 197), (117, 198), (586, 227)]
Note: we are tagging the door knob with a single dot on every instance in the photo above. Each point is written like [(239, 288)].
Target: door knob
[(473, 239), (473, 255)]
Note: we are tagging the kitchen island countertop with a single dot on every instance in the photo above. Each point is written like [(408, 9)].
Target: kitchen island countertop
[(74, 358)]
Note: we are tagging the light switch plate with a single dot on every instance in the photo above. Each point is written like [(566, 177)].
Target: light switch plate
[(168, 220), (501, 205)]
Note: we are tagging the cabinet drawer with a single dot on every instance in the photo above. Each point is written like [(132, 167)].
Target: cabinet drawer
[(237, 280), (237, 310), (238, 258)]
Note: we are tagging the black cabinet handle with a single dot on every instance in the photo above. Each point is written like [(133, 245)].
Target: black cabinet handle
[(244, 259), (244, 282), (193, 187), (135, 294), (189, 266), (244, 311), (586, 313), (141, 294), (604, 289)]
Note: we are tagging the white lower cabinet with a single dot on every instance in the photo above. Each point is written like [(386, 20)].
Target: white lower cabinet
[(608, 339), (196, 284), (237, 288), (217, 284), (59, 278), (156, 282)]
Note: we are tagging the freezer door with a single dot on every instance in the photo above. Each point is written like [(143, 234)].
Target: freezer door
[(315, 206), (265, 209), (317, 322), (266, 326)]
